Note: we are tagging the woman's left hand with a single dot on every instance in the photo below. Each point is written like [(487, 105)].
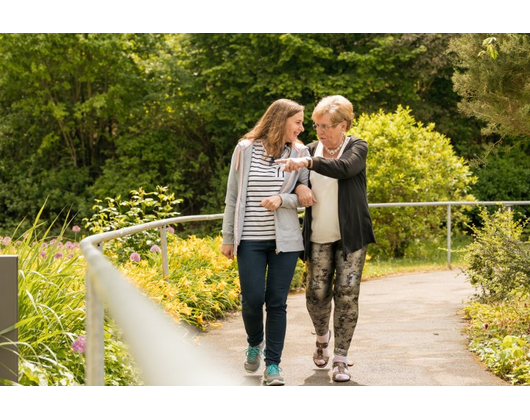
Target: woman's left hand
[(271, 203), (293, 164)]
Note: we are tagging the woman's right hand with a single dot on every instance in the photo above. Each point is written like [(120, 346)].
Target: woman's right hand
[(228, 251), (305, 195)]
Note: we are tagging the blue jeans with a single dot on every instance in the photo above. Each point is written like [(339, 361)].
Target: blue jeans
[(265, 278)]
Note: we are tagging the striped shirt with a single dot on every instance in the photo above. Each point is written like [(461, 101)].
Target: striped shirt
[(265, 179)]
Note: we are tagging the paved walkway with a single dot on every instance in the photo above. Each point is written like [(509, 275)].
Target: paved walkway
[(410, 332)]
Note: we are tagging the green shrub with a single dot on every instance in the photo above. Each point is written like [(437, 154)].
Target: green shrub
[(497, 262), (142, 207), (408, 162)]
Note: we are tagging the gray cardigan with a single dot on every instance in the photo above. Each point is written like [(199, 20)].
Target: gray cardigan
[(288, 231)]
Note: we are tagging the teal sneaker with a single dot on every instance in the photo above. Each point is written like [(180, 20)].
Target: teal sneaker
[(272, 375), (253, 360)]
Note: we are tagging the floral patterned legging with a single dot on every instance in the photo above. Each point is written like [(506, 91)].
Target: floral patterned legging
[(331, 277)]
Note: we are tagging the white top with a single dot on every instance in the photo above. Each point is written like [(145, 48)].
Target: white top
[(265, 179), (325, 223)]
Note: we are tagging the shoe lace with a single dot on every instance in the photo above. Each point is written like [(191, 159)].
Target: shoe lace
[(273, 370), (253, 353)]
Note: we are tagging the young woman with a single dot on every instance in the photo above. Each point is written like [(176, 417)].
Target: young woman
[(261, 227)]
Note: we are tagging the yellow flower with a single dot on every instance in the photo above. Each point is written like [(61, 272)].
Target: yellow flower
[(233, 294), (186, 310)]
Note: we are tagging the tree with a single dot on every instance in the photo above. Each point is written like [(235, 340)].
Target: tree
[(86, 116), (65, 100), (234, 77), (493, 79)]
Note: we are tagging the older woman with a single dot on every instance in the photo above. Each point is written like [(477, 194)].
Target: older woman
[(337, 229), (261, 226)]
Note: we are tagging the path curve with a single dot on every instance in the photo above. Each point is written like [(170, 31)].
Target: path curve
[(410, 333)]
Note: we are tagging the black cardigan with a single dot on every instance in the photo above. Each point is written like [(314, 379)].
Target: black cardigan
[(354, 216)]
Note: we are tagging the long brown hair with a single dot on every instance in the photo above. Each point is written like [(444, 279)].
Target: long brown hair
[(271, 126)]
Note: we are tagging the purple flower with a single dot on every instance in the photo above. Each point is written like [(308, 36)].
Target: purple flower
[(76, 229), (69, 245), (43, 254), (58, 255), (135, 257), (79, 345), (155, 248)]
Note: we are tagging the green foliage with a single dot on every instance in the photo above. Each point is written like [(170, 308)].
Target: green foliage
[(236, 76), (52, 313), (494, 80), (65, 99), (142, 207), (408, 162), (498, 261), (504, 176), (500, 336), (95, 115)]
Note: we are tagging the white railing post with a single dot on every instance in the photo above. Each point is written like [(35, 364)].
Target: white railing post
[(163, 248), (95, 344), (449, 235)]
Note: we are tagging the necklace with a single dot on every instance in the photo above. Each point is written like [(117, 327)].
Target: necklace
[(336, 149)]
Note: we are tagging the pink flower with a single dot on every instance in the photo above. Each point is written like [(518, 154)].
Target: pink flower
[(76, 229), (69, 245), (155, 248), (58, 255), (135, 257), (79, 345), (44, 245), (43, 254), (18, 243), (6, 241), (170, 229)]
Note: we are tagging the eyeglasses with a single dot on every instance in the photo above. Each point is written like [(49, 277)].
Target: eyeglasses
[(325, 127)]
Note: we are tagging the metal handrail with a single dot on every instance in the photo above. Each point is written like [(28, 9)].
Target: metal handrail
[(158, 345), (507, 204)]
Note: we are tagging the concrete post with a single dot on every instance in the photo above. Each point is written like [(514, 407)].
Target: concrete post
[(8, 317)]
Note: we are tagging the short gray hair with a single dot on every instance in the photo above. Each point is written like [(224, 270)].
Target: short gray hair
[(338, 107)]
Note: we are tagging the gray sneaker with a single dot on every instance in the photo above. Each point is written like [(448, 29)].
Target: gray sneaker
[(272, 375), (253, 360)]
